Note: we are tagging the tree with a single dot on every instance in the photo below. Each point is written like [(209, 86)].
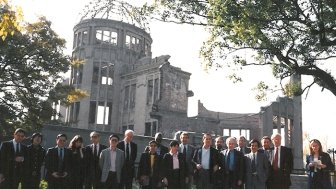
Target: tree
[(294, 37), (30, 65), (10, 19)]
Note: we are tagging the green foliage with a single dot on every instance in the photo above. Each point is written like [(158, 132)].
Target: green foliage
[(292, 89), (294, 37), (30, 67)]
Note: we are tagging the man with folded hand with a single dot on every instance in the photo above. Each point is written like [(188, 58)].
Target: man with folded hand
[(58, 164), (13, 157)]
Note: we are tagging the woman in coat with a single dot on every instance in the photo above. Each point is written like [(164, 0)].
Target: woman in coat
[(78, 163), (318, 166)]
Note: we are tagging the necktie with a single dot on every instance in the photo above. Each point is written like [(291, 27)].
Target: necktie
[(230, 160), (95, 150), (253, 166), (127, 152), (184, 151), (61, 154), (275, 160), (152, 161), (17, 148)]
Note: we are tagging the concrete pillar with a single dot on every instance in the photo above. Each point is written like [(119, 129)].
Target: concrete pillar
[(279, 124), (287, 132), (266, 117), (297, 127)]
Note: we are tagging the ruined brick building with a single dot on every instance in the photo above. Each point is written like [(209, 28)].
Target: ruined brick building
[(130, 89)]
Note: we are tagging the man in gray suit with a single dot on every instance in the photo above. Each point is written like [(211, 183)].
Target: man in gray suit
[(257, 167), (188, 152), (111, 162)]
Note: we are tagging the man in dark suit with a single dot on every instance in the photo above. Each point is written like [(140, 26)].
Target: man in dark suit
[(282, 164), (242, 147), (218, 180), (92, 152), (206, 162), (130, 150), (257, 167), (174, 169), (233, 164), (187, 151), (149, 168), (160, 150), (13, 156), (58, 164), (267, 149)]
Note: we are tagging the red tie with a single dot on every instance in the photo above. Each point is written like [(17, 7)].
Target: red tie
[(275, 160)]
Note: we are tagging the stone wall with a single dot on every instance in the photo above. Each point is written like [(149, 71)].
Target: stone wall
[(299, 182)]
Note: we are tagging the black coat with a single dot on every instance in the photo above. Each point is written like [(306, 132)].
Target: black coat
[(52, 162), (286, 166), (77, 168), (214, 161), (320, 178), (144, 168), (128, 169), (238, 171), (8, 164), (92, 168), (167, 169), (35, 160)]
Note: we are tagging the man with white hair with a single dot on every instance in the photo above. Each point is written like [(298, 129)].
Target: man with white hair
[(233, 165), (282, 164), (130, 150)]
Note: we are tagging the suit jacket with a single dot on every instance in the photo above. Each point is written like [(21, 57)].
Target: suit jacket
[(105, 163), (320, 178), (286, 164), (214, 161), (52, 162), (128, 170), (8, 155), (93, 170), (167, 168), (189, 157), (268, 154), (145, 169), (238, 170), (262, 168)]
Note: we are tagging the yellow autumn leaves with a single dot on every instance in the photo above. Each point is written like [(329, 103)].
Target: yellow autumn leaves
[(10, 19)]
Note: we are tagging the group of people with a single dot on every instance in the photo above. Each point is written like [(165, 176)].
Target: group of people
[(236, 165), (68, 167)]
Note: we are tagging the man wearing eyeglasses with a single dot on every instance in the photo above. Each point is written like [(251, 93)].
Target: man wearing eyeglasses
[(58, 164), (13, 154), (111, 161), (93, 171)]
